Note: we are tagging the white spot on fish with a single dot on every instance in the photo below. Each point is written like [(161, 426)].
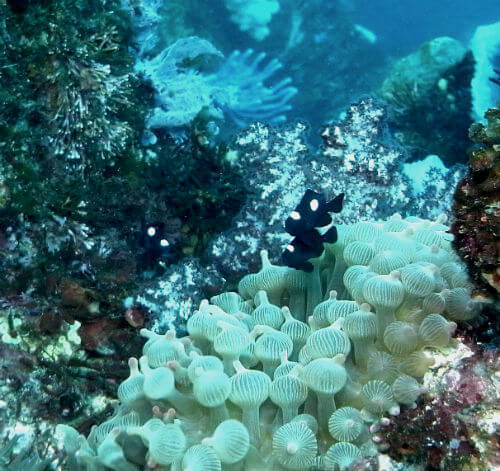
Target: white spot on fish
[(295, 215), (314, 204), (290, 248), (151, 231)]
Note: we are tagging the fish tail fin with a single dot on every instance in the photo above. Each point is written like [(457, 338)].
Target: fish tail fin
[(335, 205)]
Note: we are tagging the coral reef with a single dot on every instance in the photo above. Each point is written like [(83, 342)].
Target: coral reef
[(429, 94), (77, 194), (359, 158), (237, 87), (70, 118), (291, 370), (71, 93), (46, 375), (476, 208), (70, 129)]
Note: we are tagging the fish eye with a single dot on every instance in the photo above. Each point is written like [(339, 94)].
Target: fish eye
[(151, 231), (314, 204), (290, 248), (164, 243), (295, 215)]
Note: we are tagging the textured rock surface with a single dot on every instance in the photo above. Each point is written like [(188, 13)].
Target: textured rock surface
[(358, 158), (430, 98)]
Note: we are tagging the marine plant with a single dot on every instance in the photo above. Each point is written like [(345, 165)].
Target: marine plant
[(291, 371)]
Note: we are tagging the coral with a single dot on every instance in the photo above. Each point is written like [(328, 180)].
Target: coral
[(476, 208), (485, 47), (253, 16), (46, 376), (299, 27), (358, 157), (181, 93), (276, 167), (458, 429), (71, 123), (172, 298), (74, 80), (430, 99), (276, 393), (237, 87)]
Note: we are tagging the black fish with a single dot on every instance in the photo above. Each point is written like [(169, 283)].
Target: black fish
[(311, 213), (154, 243)]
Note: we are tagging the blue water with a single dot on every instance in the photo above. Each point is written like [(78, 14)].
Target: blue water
[(401, 26)]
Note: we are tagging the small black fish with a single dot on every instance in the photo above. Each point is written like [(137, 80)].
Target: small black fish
[(311, 213), (154, 243)]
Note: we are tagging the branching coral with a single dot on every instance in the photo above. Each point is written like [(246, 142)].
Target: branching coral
[(237, 87), (290, 372)]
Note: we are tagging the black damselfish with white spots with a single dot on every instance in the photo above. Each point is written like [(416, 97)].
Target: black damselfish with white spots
[(310, 214)]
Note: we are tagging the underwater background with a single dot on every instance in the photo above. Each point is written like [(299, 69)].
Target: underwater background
[(242, 235)]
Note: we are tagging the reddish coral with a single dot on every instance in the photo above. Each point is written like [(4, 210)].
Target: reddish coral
[(75, 296), (50, 322), (96, 335), (135, 316), (477, 208), (442, 432)]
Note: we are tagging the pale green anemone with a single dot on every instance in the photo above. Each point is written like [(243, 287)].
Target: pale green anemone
[(290, 372)]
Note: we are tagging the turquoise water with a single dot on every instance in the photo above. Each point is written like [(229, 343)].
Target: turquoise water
[(402, 26)]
